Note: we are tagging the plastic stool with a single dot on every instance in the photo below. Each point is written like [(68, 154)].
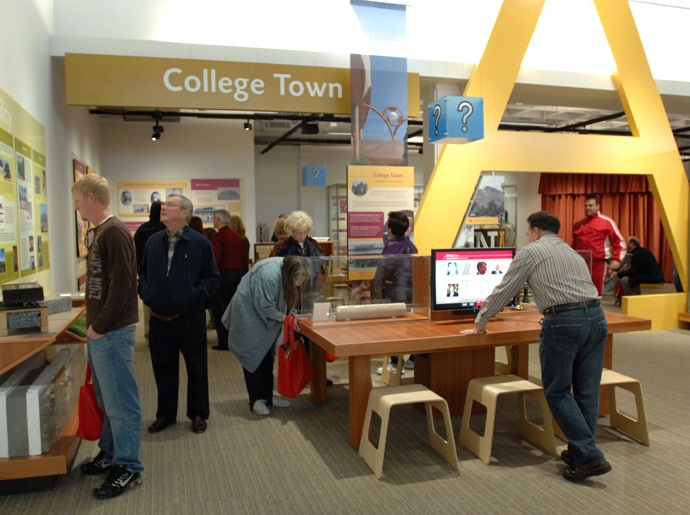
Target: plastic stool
[(635, 428), (485, 391), (392, 378), (382, 399)]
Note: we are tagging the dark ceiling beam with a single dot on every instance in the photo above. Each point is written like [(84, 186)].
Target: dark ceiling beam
[(572, 126)]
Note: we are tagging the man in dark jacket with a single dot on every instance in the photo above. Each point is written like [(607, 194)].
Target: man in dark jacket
[(141, 236), (644, 268), (177, 275)]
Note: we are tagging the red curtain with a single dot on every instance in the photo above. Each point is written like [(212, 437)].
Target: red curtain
[(625, 198)]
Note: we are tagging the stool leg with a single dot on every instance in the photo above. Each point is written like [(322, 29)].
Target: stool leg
[(445, 448), (479, 445), (637, 429), (543, 437)]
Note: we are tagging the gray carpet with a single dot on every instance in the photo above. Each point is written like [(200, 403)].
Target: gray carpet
[(298, 460)]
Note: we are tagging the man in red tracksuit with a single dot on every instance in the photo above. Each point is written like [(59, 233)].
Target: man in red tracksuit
[(600, 235)]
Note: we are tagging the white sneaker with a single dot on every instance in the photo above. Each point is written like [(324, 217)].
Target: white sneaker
[(391, 368), (409, 364), (279, 402), (260, 408)]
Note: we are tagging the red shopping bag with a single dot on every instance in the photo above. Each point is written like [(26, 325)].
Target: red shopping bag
[(90, 413), (295, 371)]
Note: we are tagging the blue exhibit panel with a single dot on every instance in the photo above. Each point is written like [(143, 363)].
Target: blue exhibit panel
[(456, 120)]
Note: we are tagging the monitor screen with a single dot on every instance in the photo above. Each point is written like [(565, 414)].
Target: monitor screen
[(461, 279)]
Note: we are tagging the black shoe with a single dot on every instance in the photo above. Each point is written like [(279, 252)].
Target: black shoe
[(198, 425), (218, 347), (329, 382), (567, 459), (99, 465), (582, 473), (160, 424), (118, 479)]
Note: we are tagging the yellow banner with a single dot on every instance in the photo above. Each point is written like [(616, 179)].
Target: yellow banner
[(145, 82)]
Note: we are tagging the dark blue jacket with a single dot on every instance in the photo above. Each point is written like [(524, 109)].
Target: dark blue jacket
[(193, 275)]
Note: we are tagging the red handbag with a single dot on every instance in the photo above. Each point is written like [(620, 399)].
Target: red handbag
[(295, 371), (90, 413)]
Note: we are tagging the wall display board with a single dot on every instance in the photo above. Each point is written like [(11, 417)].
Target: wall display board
[(374, 191), (24, 243), (209, 195), (81, 226), (135, 198)]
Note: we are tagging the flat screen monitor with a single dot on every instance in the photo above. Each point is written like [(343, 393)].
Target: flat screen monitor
[(461, 279)]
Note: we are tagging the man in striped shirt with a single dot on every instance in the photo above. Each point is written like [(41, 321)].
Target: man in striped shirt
[(572, 341)]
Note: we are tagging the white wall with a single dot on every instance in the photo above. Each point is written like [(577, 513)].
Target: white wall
[(279, 181), (192, 148)]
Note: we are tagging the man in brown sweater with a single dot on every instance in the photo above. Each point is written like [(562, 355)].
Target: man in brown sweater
[(111, 318)]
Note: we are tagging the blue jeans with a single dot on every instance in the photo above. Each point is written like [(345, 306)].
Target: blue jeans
[(112, 369), (571, 352)]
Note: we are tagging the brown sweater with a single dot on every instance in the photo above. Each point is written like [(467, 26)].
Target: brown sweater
[(111, 286)]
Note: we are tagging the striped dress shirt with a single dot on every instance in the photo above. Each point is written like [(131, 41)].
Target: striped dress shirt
[(555, 273)]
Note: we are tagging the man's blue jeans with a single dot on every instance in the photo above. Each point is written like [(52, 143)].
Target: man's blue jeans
[(112, 368), (571, 351)]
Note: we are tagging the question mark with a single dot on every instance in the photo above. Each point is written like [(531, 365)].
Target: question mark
[(466, 108), (437, 115), (316, 172)]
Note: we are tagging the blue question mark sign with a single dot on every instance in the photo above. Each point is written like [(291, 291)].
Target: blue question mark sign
[(466, 108)]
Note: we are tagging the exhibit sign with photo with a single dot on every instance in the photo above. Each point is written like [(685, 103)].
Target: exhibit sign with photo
[(82, 226), (9, 256), (209, 195), (488, 204), (374, 191), (24, 246), (135, 198)]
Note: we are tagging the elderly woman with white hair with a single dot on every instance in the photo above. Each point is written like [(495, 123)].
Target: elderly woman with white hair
[(299, 243)]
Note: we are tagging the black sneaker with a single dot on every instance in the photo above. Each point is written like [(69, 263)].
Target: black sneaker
[(99, 465), (118, 479)]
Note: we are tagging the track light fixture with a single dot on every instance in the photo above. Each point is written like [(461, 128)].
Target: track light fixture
[(247, 126), (157, 131)]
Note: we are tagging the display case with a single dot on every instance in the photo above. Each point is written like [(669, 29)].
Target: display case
[(378, 287)]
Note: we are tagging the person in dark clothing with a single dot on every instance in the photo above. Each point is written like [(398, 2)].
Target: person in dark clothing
[(644, 268), (178, 274), (393, 278), (141, 236)]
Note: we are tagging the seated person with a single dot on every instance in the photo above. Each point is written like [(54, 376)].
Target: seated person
[(644, 268)]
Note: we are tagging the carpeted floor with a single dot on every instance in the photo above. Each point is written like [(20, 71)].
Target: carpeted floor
[(298, 460)]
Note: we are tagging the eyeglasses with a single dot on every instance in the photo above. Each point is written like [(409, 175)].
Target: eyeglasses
[(170, 204), (90, 238)]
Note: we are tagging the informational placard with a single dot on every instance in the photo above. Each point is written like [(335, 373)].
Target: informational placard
[(135, 198), (24, 245), (209, 195), (374, 191)]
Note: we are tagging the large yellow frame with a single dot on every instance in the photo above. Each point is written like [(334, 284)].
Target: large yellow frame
[(651, 151)]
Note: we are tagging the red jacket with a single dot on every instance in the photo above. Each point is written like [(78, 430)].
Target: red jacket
[(601, 235)]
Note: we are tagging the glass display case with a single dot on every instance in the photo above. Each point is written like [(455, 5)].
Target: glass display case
[(367, 287)]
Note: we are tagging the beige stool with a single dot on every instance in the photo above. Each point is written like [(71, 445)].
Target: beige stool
[(635, 428), (382, 399), (485, 391)]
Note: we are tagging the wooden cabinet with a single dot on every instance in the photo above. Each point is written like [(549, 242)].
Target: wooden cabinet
[(15, 350)]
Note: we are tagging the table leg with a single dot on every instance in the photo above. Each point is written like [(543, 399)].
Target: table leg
[(360, 387), (519, 360), (318, 384)]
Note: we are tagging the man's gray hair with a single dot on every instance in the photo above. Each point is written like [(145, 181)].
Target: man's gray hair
[(223, 215), (185, 204)]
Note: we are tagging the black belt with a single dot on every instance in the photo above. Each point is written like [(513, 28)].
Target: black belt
[(163, 318), (560, 308)]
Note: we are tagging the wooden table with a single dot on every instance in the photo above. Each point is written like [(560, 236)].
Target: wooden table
[(445, 360)]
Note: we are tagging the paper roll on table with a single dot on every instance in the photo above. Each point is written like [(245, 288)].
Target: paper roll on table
[(362, 311)]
